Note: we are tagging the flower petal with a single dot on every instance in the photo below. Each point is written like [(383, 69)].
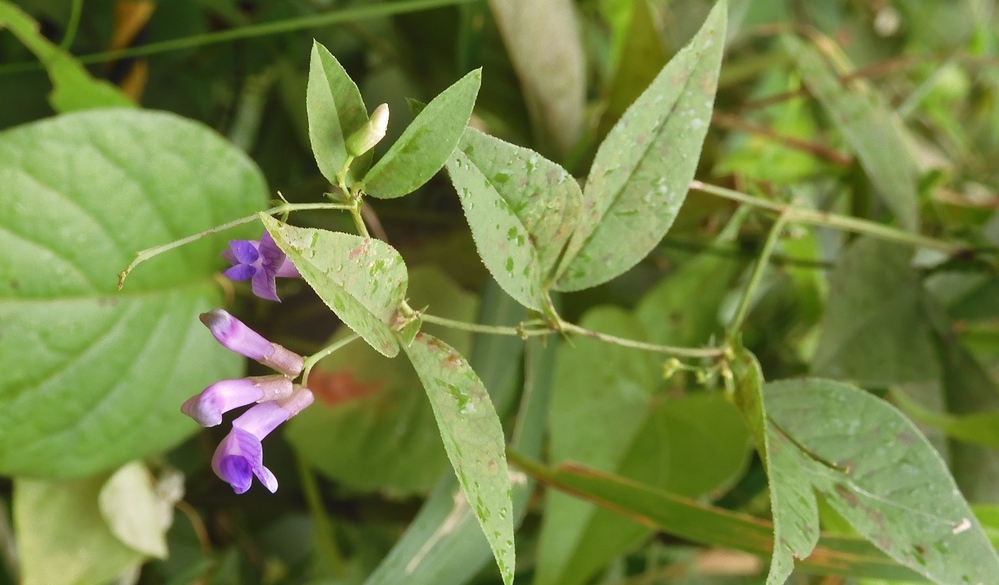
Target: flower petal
[(264, 285), (240, 272), (244, 251), (236, 336), (260, 420), (238, 458)]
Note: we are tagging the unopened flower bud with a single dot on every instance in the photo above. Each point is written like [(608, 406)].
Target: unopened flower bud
[(234, 335), (208, 407), (370, 134)]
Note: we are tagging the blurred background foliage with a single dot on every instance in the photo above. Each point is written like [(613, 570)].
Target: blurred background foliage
[(357, 469)]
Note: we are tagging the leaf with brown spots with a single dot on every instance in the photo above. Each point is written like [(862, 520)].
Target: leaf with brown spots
[(473, 439), (361, 279), (873, 467)]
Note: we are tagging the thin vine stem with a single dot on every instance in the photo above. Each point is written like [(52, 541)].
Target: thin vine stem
[(521, 330), (380, 10), (76, 10), (313, 359), (687, 352), (823, 218), (151, 253), (754, 280)]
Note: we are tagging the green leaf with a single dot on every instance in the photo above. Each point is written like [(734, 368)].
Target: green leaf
[(444, 544), (473, 439), (130, 506), (875, 329), (747, 393), (62, 538), (544, 43), (614, 418), (362, 280), (371, 428), (521, 208), (692, 520), (427, 143), (642, 170), (877, 471), (74, 88), (93, 377), (336, 111), (869, 125)]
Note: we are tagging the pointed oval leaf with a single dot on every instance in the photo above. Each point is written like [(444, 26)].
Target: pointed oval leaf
[(877, 470), (521, 208), (335, 110), (642, 170), (870, 126), (362, 280), (92, 377), (473, 439), (369, 428), (427, 143)]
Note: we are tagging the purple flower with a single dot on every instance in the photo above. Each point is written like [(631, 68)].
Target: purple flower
[(208, 407), (260, 261), (236, 336), (240, 456)]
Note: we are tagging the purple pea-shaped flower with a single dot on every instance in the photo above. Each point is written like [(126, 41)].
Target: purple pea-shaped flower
[(261, 262), (208, 407), (240, 456)]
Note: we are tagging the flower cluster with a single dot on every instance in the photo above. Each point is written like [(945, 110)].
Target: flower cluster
[(240, 455)]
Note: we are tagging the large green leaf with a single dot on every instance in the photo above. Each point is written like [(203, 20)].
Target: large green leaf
[(362, 280), (74, 88), (372, 427), (875, 329), (692, 520), (521, 207), (642, 170), (93, 377), (870, 126), (878, 472), (473, 439), (63, 538), (336, 111), (607, 413), (427, 143)]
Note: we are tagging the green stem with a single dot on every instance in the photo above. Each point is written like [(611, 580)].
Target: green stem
[(380, 10), (150, 253), (313, 359), (754, 279), (520, 330), (73, 25), (320, 515), (355, 212), (688, 352), (843, 222)]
